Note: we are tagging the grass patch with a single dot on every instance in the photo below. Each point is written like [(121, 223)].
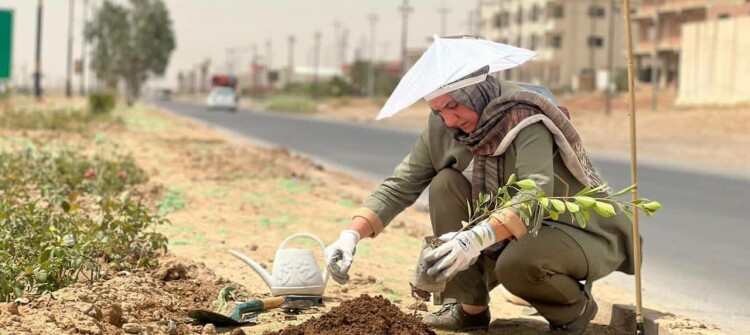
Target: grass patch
[(171, 202), (346, 203), (277, 222), (294, 187), (62, 118), (292, 104)]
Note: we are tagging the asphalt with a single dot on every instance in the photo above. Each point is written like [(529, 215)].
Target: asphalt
[(696, 257)]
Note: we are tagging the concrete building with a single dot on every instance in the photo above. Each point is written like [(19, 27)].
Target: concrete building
[(667, 42), (579, 42)]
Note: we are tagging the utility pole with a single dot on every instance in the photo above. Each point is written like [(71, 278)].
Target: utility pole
[(592, 52), (610, 55), (655, 59), (405, 9), (478, 22), (290, 59), (269, 54), (82, 87), (337, 41), (371, 69), (69, 72), (443, 11), (317, 63), (344, 45), (38, 58)]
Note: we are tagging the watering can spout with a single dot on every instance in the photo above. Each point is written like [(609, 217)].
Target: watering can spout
[(255, 266)]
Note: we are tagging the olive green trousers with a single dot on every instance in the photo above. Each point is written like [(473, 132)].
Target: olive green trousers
[(546, 270)]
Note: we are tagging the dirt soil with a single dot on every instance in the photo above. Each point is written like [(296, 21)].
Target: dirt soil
[(236, 195), (361, 315)]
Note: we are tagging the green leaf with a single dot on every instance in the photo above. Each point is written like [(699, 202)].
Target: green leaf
[(544, 202), (45, 255), (628, 212), (652, 206), (553, 215), (468, 207), (572, 207), (604, 209), (526, 184), (580, 218), (559, 205), (584, 201), (624, 190), (511, 179), (65, 206)]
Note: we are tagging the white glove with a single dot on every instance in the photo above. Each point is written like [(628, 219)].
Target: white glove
[(341, 250), (459, 252)]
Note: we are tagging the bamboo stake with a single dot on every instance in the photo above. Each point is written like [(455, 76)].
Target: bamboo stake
[(639, 330)]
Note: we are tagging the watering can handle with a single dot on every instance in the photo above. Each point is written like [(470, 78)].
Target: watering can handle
[(313, 237)]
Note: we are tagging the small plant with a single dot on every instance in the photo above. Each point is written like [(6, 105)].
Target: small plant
[(101, 102), (536, 205)]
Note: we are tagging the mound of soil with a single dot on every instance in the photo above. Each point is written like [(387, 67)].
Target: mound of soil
[(362, 315), (143, 302)]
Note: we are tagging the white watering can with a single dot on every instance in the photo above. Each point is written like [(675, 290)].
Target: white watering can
[(295, 271)]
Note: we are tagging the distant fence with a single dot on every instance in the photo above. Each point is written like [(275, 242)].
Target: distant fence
[(715, 63)]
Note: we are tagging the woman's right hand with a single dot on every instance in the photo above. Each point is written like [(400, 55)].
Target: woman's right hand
[(342, 250)]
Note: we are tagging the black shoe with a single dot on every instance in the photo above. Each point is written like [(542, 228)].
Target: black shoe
[(452, 317), (579, 325)]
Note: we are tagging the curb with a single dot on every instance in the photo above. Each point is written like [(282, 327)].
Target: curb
[(622, 317)]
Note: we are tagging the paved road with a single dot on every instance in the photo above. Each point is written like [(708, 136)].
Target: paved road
[(696, 251)]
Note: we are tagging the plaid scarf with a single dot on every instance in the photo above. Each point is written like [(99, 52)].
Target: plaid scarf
[(499, 123)]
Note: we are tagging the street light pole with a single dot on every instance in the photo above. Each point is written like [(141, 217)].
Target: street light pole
[(405, 10), (69, 72), (655, 59), (371, 69), (82, 87), (38, 58), (610, 55), (443, 13), (290, 60), (317, 63)]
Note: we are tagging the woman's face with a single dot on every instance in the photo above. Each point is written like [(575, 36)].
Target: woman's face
[(454, 114)]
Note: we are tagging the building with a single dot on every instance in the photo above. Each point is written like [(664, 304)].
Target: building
[(579, 42), (671, 15)]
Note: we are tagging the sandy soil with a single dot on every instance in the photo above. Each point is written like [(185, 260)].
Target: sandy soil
[(238, 196)]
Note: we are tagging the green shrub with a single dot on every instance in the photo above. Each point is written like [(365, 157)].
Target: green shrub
[(292, 103), (63, 213), (101, 102), (55, 174), (57, 118)]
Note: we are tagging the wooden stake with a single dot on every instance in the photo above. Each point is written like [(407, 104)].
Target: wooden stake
[(639, 330)]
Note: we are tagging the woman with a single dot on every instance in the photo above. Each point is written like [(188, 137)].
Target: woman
[(481, 132)]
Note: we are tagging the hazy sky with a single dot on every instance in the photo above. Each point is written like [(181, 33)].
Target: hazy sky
[(206, 28)]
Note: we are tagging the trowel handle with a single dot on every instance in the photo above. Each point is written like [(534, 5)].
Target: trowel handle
[(313, 237), (257, 305)]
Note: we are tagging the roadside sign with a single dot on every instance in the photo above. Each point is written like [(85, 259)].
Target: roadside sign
[(6, 43)]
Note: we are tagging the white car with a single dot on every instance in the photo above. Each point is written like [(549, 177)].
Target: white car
[(222, 97)]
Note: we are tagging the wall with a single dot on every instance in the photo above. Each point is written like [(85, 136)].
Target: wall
[(715, 63)]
